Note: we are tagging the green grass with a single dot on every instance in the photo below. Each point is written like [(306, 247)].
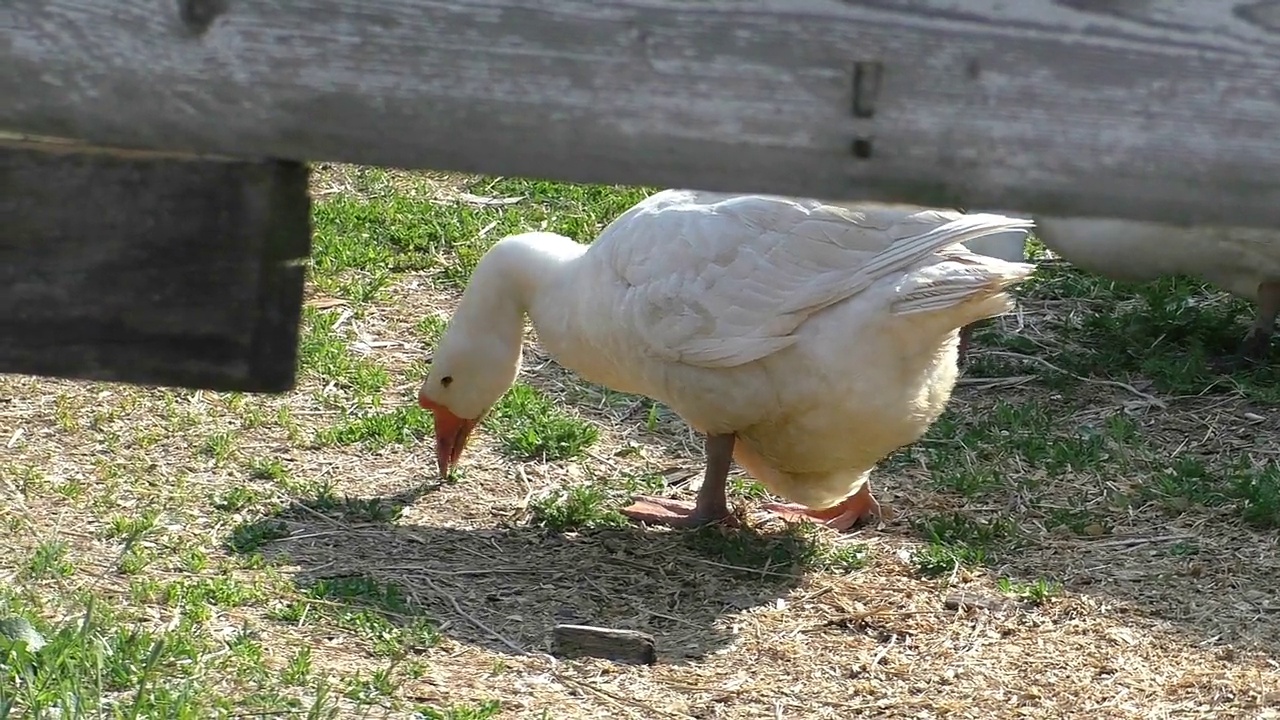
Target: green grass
[(49, 560), (389, 230), (100, 659), (352, 509), (1176, 332), (797, 548), (483, 711), (430, 328), (324, 351), (377, 614), (532, 426), (185, 554), (404, 425), (577, 507), (220, 447), (1037, 592), (956, 539)]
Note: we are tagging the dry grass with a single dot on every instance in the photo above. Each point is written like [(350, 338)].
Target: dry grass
[(294, 554)]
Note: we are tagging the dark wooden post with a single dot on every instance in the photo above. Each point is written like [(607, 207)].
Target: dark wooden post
[(151, 268)]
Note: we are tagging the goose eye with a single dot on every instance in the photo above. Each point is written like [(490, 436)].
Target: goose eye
[(446, 380)]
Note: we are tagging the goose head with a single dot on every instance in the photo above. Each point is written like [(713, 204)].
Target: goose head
[(478, 357), (470, 371)]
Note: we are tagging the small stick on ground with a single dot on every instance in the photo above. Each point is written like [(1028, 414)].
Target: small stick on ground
[(962, 601)]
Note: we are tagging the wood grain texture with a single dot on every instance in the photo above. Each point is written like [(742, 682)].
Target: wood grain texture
[(1127, 108), (624, 646), (152, 270)]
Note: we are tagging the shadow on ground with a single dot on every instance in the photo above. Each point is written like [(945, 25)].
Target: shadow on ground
[(504, 588)]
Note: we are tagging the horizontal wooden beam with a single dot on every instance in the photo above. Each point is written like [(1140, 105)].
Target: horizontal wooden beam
[(1123, 108), (150, 268)]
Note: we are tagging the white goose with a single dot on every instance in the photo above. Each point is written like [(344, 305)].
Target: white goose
[(806, 341), (1241, 260)]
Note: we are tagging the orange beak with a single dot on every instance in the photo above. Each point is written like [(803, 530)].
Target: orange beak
[(451, 435)]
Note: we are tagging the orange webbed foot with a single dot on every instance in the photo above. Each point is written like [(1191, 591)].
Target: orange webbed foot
[(652, 510), (842, 517)]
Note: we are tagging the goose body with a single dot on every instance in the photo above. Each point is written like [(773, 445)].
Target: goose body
[(804, 339), (1242, 261)]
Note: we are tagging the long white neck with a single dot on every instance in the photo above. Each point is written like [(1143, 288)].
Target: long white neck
[(516, 277)]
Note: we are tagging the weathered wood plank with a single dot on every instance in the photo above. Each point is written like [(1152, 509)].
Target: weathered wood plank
[(625, 646), (1127, 108), (151, 269)]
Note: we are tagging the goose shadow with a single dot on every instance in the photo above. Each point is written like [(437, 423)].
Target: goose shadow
[(504, 588)]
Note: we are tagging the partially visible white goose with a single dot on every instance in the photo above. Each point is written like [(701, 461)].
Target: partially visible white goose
[(806, 341), (1243, 261)]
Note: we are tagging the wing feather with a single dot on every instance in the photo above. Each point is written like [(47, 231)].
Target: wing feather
[(721, 280)]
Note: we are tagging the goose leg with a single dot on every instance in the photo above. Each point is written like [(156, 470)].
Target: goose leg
[(712, 504), (841, 516), (1258, 341)]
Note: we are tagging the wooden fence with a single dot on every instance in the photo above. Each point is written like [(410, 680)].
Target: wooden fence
[(182, 265)]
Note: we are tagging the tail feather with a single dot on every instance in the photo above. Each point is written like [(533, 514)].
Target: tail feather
[(974, 286), (904, 253)]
